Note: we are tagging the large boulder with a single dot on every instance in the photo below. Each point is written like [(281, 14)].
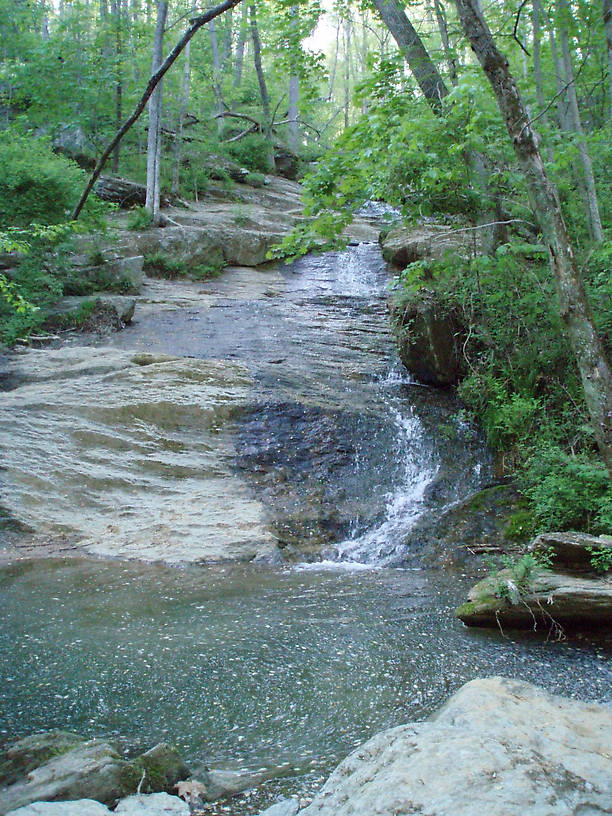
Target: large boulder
[(21, 757), (93, 769), (429, 337), (153, 804), (100, 313), (498, 746), (160, 769), (402, 246), (571, 593), (58, 766)]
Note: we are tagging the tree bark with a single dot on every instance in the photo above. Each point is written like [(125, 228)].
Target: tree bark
[(574, 309), (347, 71), (183, 108), (195, 25), (155, 117), (574, 117), (242, 35), (425, 72), (216, 61), (294, 93), (443, 29), (607, 17), (263, 88), (116, 13)]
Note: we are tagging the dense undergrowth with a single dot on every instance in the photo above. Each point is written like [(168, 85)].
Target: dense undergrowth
[(520, 378)]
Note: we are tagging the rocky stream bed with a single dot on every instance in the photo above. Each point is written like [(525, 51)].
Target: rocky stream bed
[(259, 432)]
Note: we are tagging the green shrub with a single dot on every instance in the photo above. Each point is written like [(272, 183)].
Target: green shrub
[(252, 152), (255, 179), (139, 218), (36, 186), (160, 265), (567, 492)]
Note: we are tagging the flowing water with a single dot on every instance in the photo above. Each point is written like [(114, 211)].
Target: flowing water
[(305, 432)]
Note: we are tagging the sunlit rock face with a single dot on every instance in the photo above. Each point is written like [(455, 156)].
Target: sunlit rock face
[(129, 454), (498, 746)]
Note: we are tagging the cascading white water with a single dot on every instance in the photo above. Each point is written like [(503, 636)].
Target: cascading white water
[(382, 544)]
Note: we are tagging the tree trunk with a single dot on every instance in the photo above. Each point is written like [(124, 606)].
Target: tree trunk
[(154, 80), (183, 108), (155, 115), (607, 16), (116, 13), (214, 47), (263, 88), (294, 93), (573, 305), (443, 29), (242, 35), (574, 117), (425, 72), (347, 71)]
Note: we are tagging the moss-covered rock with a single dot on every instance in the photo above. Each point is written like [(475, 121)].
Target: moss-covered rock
[(429, 337), (159, 769), (18, 759)]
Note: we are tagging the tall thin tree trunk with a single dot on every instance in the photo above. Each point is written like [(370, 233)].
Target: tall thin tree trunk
[(443, 29), (347, 71), (574, 117), (294, 91), (155, 117), (216, 61), (154, 80), (263, 88), (423, 69), (536, 25), (573, 304), (607, 16), (242, 35), (116, 14), (332, 73), (183, 108)]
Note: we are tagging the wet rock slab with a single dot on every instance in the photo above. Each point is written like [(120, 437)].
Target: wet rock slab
[(127, 454), (498, 746)]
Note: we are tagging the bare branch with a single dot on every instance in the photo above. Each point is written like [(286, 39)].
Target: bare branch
[(154, 80)]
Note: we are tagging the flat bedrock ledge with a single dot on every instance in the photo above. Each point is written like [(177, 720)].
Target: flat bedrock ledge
[(498, 746)]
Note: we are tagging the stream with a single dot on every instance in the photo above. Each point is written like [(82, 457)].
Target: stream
[(317, 442)]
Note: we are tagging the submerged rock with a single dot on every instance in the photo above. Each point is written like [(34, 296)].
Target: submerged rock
[(570, 593), (498, 746)]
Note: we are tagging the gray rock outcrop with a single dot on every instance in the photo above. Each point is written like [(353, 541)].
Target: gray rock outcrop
[(60, 767), (92, 768), (402, 246), (571, 593), (93, 312), (498, 746), (429, 337)]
